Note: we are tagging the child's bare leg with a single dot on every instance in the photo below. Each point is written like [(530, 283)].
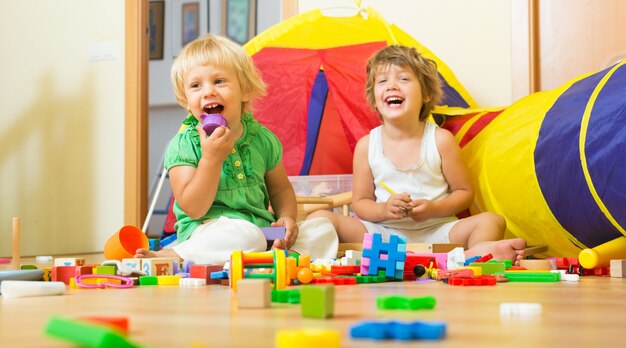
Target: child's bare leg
[(349, 230), (482, 234), (147, 253)]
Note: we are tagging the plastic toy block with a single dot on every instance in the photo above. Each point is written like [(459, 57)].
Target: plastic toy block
[(205, 271), (335, 280), (507, 263), (403, 302), (272, 234), (405, 331), (254, 293), (618, 268), (69, 261), (119, 323), (154, 244), (521, 276), (485, 258), (412, 261), (564, 263), (441, 258), (112, 270), (378, 255), (169, 280), (286, 296), (148, 280), (86, 334), (471, 260), (489, 267), (456, 258), (191, 282), (566, 277), (345, 270), (317, 301), (520, 309), (219, 275), (308, 338), (158, 266), (472, 281)]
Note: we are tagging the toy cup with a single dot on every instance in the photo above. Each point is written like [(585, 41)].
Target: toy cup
[(211, 121), (124, 243)]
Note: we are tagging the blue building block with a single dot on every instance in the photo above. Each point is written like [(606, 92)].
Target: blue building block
[(404, 331), (389, 256)]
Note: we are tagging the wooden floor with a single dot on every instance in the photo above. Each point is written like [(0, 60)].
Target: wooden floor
[(590, 313)]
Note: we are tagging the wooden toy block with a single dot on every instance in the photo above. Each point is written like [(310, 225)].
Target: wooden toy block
[(158, 266), (69, 261), (618, 268), (204, 272), (308, 338), (64, 273), (132, 264), (317, 301), (544, 265), (254, 293), (112, 270), (432, 247)]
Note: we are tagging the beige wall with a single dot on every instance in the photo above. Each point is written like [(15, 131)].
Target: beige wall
[(62, 129), (472, 37)]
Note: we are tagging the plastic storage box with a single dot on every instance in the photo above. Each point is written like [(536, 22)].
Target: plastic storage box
[(321, 185)]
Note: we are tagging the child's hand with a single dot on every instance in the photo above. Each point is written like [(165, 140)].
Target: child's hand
[(397, 206), (422, 210), (291, 230), (219, 144)]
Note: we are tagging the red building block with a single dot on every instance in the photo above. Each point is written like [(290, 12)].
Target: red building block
[(204, 272)]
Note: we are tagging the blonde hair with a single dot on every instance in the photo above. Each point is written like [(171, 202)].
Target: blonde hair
[(407, 57), (220, 51)]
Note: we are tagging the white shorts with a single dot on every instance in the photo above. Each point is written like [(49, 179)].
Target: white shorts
[(214, 241), (439, 233)]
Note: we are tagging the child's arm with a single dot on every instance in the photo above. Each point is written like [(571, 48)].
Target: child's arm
[(456, 174), (283, 200), (363, 198), (195, 188)]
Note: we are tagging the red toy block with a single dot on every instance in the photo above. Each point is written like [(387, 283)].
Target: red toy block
[(345, 270), (485, 258), (413, 260), (469, 281), (64, 273), (204, 272), (120, 323)]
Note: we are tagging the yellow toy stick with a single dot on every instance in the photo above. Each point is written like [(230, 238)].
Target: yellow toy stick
[(601, 255), (389, 189)]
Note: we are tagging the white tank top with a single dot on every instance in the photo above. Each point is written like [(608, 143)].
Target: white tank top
[(423, 180)]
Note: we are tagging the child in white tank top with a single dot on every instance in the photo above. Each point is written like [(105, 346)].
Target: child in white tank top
[(409, 178)]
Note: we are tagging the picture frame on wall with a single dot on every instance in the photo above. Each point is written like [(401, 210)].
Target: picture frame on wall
[(156, 16), (190, 24), (239, 19)]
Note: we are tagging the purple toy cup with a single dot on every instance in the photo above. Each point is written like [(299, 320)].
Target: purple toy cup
[(211, 121)]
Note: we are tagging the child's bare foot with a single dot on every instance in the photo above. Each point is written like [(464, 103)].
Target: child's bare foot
[(147, 253), (507, 249)]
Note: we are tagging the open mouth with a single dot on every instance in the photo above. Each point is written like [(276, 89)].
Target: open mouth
[(392, 101), (213, 109)]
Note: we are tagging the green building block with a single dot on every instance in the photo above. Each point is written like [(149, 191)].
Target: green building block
[(318, 301), (286, 296), (404, 302), (490, 267), (522, 276), (87, 334), (106, 269), (148, 280), (507, 263)]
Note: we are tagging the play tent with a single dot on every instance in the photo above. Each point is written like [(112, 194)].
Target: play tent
[(314, 66), (553, 163)]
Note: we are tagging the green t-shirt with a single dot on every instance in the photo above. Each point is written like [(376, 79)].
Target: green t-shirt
[(241, 193)]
